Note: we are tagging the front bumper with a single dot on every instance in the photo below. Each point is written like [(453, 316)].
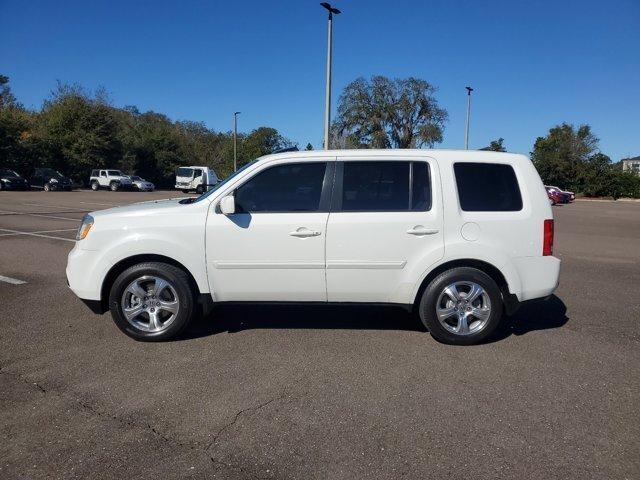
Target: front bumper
[(15, 186), (85, 271)]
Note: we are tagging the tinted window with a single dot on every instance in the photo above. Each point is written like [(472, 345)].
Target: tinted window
[(487, 187), (420, 187), (385, 186), (115, 173), (184, 172), (294, 187), (375, 186), (94, 173)]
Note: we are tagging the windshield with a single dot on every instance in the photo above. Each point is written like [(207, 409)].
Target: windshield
[(184, 172), (52, 173), (114, 173), (7, 173)]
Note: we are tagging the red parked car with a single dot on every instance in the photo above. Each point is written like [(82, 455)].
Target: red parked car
[(554, 196), (565, 197)]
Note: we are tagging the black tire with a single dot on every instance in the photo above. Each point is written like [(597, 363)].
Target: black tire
[(430, 296), (186, 191), (199, 189), (114, 186), (95, 186), (178, 279), (47, 187)]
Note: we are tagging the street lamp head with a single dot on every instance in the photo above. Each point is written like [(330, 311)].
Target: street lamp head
[(330, 8), (469, 90), (237, 113)]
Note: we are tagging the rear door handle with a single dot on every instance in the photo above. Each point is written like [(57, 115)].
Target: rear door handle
[(419, 230), (304, 232)]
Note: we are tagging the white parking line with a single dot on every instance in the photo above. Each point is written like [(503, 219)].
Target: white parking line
[(34, 234), (7, 212), (13, 281), (109, 204)]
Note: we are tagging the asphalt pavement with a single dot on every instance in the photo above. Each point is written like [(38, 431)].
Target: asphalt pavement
[(318, 392)]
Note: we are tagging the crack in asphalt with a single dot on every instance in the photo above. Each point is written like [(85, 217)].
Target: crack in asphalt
[(99, 413), (227, 426), (147, 426)]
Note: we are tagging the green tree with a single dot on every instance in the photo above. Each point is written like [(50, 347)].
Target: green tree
[(386, 113), (562, 155), (496, 146)]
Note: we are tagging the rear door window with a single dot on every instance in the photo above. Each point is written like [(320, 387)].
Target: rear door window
[(487, 187), (384, 186)]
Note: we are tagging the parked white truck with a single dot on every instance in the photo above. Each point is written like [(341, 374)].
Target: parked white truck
[(108, 178), (194, 178)]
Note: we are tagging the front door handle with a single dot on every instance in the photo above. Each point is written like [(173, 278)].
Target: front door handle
[(304, 232), (420, 230)]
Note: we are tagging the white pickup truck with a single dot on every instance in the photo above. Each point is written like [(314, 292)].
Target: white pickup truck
[(114, 180), (197, 179)]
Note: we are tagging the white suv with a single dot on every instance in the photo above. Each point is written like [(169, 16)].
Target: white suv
[(459, 236), (112, 179)]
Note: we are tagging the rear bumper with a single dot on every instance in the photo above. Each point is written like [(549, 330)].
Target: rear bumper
[(539, 276)]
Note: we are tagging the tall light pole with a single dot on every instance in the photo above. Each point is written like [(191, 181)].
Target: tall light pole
[(235, 140), (327, 105), (466, 130)]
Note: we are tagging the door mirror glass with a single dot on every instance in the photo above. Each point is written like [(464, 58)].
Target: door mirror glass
[(228, 205)]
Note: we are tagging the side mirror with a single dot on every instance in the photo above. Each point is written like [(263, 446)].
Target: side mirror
[(228, 205)]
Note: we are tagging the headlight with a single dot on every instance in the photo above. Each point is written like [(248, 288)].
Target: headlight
[(85, 226), (53, 180)]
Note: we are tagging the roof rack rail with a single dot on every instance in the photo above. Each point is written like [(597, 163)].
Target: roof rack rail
[(288, 149)]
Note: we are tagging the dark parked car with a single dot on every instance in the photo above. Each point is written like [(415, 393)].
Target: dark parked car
[(49, 179), (10, 180)]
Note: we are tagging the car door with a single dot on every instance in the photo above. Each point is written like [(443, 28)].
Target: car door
[(385, 228), (103, 179), (272, 248)]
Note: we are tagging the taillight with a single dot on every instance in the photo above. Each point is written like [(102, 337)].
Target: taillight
[(547, 238)]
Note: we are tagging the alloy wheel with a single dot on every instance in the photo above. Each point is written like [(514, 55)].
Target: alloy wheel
[(463, 308), (150, 303)]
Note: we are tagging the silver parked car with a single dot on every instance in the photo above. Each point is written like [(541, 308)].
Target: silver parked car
[(141, 184)]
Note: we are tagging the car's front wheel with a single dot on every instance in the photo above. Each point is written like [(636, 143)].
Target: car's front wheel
[(461, 306), (114, 186), (152, 301)]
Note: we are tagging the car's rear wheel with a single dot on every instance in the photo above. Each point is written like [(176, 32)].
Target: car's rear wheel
[(461, 306), (152, 301), (95, 186)]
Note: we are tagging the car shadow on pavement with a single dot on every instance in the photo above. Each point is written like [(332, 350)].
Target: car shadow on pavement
[(236, 317), (531, 316)]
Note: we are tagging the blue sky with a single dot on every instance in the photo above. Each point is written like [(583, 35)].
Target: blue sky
[(533, 64)]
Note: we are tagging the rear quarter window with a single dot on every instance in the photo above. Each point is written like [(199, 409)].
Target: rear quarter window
[(487, 187)]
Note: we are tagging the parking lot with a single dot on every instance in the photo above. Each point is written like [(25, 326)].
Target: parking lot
[(318, 392)]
